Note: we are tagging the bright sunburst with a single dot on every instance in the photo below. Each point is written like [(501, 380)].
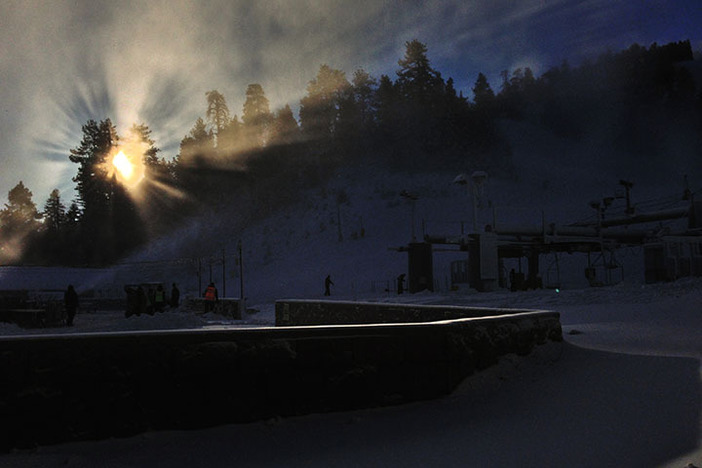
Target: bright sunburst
[(124, 166), (127, 164)]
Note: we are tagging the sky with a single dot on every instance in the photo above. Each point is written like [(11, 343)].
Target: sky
[(67, 61)]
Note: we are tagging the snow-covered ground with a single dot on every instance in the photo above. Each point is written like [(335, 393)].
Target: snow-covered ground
[(624, 390)]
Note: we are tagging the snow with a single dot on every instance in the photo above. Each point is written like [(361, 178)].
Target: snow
[(624, 389)]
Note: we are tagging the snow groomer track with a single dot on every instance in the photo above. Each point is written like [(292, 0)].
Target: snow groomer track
[(92, 386)]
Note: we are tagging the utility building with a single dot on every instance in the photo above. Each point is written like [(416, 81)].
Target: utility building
[(673, 257)]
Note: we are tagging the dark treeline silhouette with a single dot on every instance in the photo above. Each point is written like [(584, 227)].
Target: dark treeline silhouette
[(632, 92), (415, 122)]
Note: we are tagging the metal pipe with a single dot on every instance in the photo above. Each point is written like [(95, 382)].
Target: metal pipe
[(640, 218)]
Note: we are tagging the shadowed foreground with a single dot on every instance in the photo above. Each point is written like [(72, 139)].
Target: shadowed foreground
[(62, 388), (560, 406)]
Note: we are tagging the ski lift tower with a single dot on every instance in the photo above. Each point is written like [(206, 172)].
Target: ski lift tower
[(476, 189)]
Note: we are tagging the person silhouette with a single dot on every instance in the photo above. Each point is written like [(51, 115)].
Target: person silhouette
[(327, 285), (70, 299), (401, 284), (175, 296)]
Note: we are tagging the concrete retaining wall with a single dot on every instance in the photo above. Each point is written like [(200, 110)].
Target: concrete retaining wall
[(62, 387), (295, 312)]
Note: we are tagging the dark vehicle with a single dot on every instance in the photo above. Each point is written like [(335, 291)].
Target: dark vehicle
[(141, 298)]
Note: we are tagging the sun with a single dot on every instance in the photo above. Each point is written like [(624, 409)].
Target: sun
[(123, 165), (128, 168)]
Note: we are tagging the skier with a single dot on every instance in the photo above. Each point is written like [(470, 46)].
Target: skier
[(70, 299), (327, 283), (401, 284)]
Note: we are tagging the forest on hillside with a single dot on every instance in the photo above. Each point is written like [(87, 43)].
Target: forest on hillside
[(415, 121)]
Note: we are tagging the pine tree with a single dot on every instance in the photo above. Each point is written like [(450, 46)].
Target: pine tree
[(92, 182), (386, 100), (232, 140), (364, 89), (196, 147), (73, 251), (197, 152), (54, 212), (19, 222), (51, 245), (126, 229), (256, 106), (285, 129), (320, 108), (142, 133), (109, 223), (217, 111), (256, 116), (483, 95), (417, 81), (421, 106)]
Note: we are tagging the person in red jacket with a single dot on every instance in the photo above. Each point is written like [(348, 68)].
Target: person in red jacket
[(211, 296)]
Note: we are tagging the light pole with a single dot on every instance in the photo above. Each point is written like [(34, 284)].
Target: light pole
[(224, 275), (412, 198), (242, 303)]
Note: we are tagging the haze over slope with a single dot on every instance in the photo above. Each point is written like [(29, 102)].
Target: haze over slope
[(290, 252)]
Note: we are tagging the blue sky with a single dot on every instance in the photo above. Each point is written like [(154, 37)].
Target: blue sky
[(66, 61)]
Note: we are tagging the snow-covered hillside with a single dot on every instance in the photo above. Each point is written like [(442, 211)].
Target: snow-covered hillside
[(348, 227)]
